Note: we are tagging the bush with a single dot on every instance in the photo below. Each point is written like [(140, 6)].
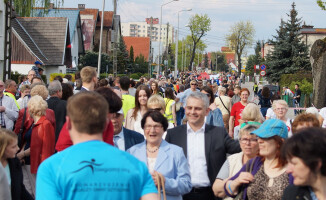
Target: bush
[(288, 79), (53, 75), (135, 76)]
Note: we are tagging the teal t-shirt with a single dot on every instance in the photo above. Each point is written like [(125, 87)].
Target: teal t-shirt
[(93, 170)]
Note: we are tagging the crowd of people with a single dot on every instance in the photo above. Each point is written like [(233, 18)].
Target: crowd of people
[(188, 138)]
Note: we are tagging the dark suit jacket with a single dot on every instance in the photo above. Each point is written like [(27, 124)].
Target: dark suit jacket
[(132, 138), (60, 111), (82, 89), (293, 192), (217, 145), (18, 190)]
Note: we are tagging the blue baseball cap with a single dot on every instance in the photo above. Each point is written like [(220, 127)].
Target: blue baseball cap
[(271, 128), (38, 63)]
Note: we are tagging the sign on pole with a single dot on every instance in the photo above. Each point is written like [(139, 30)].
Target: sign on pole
[(262, 73), (263, 67)]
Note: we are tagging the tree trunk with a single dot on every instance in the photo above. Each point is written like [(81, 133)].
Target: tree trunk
[(318, 62), (239, 65), (192, 56)]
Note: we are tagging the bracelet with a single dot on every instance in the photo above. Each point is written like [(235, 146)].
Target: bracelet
[(230, 188)]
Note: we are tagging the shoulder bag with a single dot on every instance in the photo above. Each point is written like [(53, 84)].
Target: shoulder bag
[(160, 182), (248, 169), (21, 130), (224, 105)]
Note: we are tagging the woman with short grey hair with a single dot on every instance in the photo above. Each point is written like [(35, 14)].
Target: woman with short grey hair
[(224, 104)]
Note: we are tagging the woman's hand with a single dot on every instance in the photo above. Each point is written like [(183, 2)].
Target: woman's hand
[(156, 179), (244, 177)]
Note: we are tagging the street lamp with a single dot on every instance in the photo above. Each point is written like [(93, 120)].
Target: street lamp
[(177, 44), (159, 44)]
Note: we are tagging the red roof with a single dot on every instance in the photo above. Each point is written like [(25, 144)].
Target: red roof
[(88, 11), (141, 45), (108, 19)]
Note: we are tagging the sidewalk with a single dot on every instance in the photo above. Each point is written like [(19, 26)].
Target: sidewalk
[(249, 86)]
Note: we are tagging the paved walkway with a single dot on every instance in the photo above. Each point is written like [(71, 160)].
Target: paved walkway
[(250, 85)]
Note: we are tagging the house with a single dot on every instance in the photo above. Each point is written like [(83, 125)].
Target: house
[(46, 39), (89, 19), (107, 32), (141, 45), (75, 29)]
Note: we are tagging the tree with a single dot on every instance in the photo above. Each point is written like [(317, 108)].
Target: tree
[(254, 59), (321, 4), (131, 54), (219, 62), (24, 7), (122, 57), (91, 59), (141, 65), (241, 37), (206, 61), (290, 54), (199, 25)]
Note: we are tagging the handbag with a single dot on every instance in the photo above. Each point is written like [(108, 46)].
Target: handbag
[(160, 182), (248, 169), (21, 130), (224, 105)]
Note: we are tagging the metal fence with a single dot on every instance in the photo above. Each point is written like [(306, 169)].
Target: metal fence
[(305, 100)]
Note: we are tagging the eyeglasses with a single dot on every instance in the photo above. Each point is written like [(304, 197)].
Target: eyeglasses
[(246, 140), (193, 84), (156, 127)]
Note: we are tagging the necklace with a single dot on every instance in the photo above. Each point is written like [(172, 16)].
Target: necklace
[(152, 151)]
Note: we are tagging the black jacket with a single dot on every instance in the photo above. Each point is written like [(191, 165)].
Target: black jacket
[(18, 190), (293, 192), (59, 108), (217, 144), (132, 138)]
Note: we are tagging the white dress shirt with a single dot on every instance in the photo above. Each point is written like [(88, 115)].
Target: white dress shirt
[(119, 141), (196, 157)]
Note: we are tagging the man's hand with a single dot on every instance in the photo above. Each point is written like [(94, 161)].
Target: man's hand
[(2, 109)]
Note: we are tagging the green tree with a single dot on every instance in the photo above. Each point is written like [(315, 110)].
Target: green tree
[(199, 25), (254, 59), (122, 57), (24, 7), (321, 4), (290, 54), (91, 59), (241, 37), (219, 62), (131, 54), (141, 65), (206, 60)]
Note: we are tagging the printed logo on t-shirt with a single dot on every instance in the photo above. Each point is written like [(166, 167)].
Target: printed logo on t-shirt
[(88, 164)]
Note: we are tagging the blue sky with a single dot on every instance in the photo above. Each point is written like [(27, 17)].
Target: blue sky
[(264, 14)]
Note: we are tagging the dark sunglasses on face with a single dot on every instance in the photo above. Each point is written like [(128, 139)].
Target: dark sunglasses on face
[(155, 109), (193, 84)]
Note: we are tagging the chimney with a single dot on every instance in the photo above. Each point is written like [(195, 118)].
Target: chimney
[(81, 6), (51, 6)]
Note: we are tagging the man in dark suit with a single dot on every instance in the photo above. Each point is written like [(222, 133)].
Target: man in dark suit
[(205, 146), (124, 138), (57, 105), (89, 78)]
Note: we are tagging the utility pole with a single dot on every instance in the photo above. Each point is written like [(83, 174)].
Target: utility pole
[(150, 59), (115, 42), (182, 64), (7, 42), (166, 45)]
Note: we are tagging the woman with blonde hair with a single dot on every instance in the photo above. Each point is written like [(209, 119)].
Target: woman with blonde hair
[(250, 115), (13, 170), (156, 102), (38, 140)]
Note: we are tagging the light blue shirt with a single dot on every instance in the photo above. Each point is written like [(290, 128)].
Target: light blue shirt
[(93, 170), (172, 164), (119, 140)]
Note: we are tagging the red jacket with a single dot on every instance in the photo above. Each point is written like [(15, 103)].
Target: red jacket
[(42, 142), (29, 121), (64, 140)]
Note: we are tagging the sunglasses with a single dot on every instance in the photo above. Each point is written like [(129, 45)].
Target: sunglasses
[(193, 84), (155, 109)]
